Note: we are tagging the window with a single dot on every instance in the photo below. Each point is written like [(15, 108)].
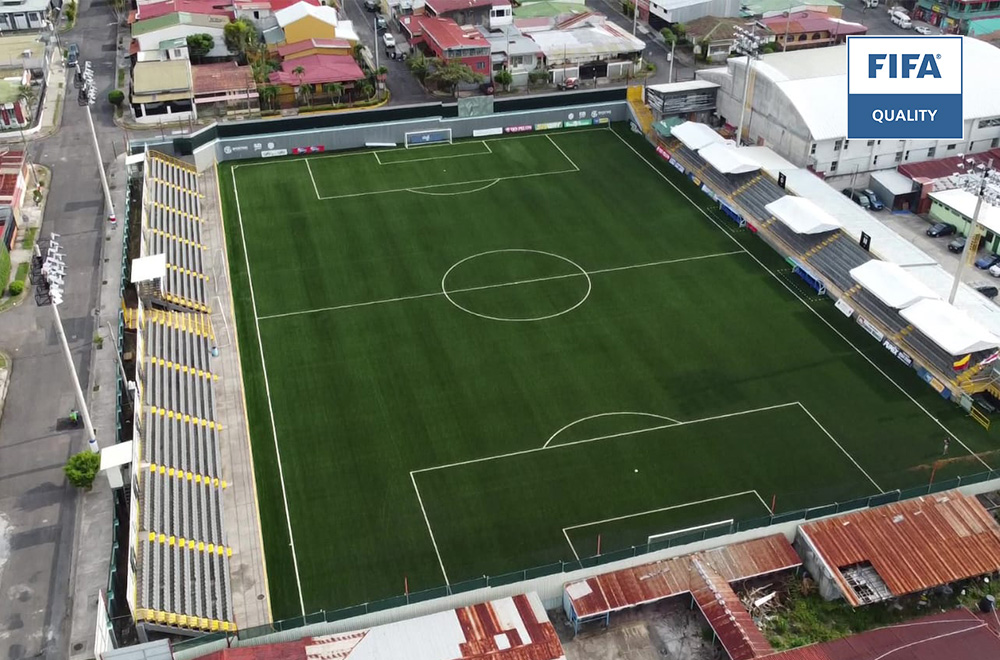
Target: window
[(989, 123), (875, 161), (931, 152), (899, 156), (846, 142), (833, 167), (995, 143), (480, 65), (871, 143), (907, 156), (951, 147), (812, 150), (837, 145)]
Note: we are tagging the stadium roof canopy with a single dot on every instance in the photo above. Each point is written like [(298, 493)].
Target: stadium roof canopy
[(891, 283), (802, 216), (694, 135), (727, 159), (950, 328)]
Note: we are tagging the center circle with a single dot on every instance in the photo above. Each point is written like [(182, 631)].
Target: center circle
[(577, 271)]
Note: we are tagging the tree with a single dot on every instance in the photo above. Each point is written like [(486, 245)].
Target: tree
[(681, 31), (199, 45), (628, 8), (240, 37), (120, 8), (769, 47), (368, 90), (504, 78), (419, 66), (451, 73), (335, 90), (269, 94), (81, 469), (668, 35), (116, 97)]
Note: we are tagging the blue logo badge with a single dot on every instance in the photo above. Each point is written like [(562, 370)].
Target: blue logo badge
[(904, 88)]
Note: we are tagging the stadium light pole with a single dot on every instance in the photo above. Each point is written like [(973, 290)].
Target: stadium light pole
[(984, 182), (54, 272), (747, 43), (91, 92)]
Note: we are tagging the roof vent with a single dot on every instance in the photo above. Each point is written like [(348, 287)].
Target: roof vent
[(897, 518)]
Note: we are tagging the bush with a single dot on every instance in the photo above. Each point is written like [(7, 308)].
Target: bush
[(668, 35), (116, 97), (81, 469), (70, 11), (16, 288)]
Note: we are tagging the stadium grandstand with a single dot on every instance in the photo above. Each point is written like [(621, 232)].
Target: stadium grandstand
[(177, 540), (893, 291)]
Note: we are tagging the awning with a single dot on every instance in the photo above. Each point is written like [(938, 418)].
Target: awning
[(951, 329), (891, 284), (727, 159), (802, 215), (696, 136)]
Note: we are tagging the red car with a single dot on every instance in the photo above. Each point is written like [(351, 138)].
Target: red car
[(569, 83)]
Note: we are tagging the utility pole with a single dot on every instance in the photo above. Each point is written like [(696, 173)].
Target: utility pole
[(635, 15), (375, 29), (673, 45), (91, 92)]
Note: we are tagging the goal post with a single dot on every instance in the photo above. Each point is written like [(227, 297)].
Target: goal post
[(690, 534), (429, 137)]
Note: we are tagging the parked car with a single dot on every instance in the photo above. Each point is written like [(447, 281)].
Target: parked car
[(389, 41), (995, 270), (569, 83), (857, 197), (987, 289), (940, 229), (373, 5), (381, 24), (923, 29), (957, 245), (873, 199), (487, 87), (988, 261), (72, 55)]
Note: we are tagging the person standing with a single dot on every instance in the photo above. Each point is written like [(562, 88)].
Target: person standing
[(947, 442)]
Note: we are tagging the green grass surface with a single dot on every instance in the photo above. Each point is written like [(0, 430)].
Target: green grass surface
[(667, 344)]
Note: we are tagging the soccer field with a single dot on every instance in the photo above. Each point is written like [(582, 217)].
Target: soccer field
[(473, 358)]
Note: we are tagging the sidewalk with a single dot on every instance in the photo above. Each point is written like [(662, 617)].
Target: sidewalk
[(51, 107)]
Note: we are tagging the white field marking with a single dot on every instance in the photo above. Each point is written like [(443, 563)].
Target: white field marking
[(442, 185), (416, 191), (839, 446), (611, 436), (267, 391), (575, 166), (377, 159), (570, 544), (608, 414), (352, 154), (421, 160), (315, 187), (590, 286), (429, 530), (806, 304), (483, 287)]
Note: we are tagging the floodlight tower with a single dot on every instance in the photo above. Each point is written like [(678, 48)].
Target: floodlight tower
[(54, 272), (91, 91), (984, 182), (749, 44)]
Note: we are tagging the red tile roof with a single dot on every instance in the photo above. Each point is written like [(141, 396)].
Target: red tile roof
[(299, 46), (955, 635), (445, 6), (221, 77), (210, 7), (812, 21), (913, 545), (447, 34), (944, 167), (318, 69)]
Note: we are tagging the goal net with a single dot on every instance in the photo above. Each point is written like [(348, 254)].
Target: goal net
[(689, 534), (423, 138)]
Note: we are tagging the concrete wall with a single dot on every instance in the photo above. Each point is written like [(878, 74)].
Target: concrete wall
[(687, 13)]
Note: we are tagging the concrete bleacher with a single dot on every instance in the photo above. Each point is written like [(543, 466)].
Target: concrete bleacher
[(835, 260), (887, 317)]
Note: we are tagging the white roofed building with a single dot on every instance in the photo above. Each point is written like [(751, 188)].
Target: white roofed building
[(798, 107)]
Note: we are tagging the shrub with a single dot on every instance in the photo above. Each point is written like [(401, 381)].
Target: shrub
[(70, 12), (81, 469), (16, 288), (116, 97)]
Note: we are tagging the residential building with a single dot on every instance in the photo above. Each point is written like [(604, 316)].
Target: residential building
[(261, 12), (24, 14), (810, 29), (315, 47), (224, 89), (25, 51), (14, 110), (955, 16), (795, 106), (514, 51), (768, 8), (662, 12), (467, 12), (549, 8), (163, 7), (317, 71), (303, 22), (986, 29), (587, 46), (14, 175), (162, 91), (443, 38), (149, 34), (713, 37)]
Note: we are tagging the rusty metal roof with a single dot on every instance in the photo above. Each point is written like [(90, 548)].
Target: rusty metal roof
[(725, 613), (955, 635), (913, 545)]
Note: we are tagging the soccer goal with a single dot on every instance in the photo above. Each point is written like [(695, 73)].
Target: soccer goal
[(424, 138), (690, 534)]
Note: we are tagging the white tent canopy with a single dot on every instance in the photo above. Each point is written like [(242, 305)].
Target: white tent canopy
[(727, 159), (696, 136), (891, 284), (950, 328), (802, 215)]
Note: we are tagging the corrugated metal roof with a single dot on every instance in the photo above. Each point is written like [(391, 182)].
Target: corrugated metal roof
[(955, 635), (945, 167), (725, 613), (913, 545)]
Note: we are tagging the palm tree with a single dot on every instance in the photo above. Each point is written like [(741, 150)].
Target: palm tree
[(335, 90), (299, 72), (269, 94)]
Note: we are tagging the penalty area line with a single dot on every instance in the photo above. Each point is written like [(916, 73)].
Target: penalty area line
[(839, 446), (430, 531)]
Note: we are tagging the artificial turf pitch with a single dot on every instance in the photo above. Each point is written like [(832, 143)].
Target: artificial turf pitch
[(674, 373)]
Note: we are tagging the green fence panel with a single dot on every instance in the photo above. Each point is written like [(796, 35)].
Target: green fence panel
[(429, 594), (852, 505), (974, 478), (346, 613), (884, 498), (788, 516), (256, 631), (506, 578), (590, 562), (944, 485), (195, 642), (916, 491), (820, 511), (388, 603), (542, 571), (470, 585), (616, 555), (753, 523), (315, 617), (290, 624)]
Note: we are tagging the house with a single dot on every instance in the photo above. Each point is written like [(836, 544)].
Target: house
[(713, 37), (25, 51), (14, 172), (25, 14), (686, 11), (224, 89), (468, 12), (14, 110), (810, 29), (588, 46), (955, 17), (514, 51), (315, 47), (316, 71), (162, 90), (261, 12), (443, 38), (149, 34), (303, 22), (768, 8), (163, 7)]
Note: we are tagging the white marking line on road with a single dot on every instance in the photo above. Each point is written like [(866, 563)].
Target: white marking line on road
[(484, 287), (805, 304), (267, 391), (429, 530), (841, 447)]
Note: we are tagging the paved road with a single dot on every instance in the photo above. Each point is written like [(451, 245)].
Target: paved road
[(37, 507)]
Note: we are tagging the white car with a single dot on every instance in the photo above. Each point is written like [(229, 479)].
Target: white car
[(389, 41), (995, 270), (922, 29)]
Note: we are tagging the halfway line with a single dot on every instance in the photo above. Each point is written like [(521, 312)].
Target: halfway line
[(501, 285)]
